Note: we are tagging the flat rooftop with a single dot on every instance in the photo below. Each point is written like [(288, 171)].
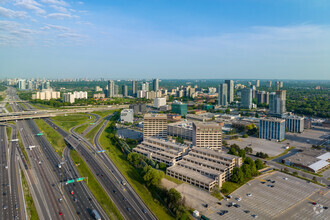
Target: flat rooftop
[(207, 125), (155, 116), (213, 152), (191, 174)]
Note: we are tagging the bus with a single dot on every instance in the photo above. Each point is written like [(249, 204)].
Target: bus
[(96, 215)]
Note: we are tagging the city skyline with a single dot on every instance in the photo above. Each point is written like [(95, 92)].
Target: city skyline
[(200, 39)]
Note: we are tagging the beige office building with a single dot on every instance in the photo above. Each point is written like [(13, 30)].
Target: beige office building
[(207, 135), (155, 125), (204, 168)]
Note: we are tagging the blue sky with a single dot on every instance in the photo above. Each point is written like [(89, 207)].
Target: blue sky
[(266, 39)]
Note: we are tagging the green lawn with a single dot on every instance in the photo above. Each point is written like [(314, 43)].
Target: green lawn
[(21, 146), (91, 134), (30, 207), (7, 106), (8, 130), (82, 128), (54, 138), (71, 120), (229, 187), (95, 187), (104, 113), (134, 178)]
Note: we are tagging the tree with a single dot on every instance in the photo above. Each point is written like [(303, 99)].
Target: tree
[(252, 165), (245, 136), (241, 153), (238, 175), (232, 151), (134, 158), (247, 171), (235, 146), (248, 150), (259, 164), (257, 115), (162, 166), (153, 177), (295, 173), (227, 111)]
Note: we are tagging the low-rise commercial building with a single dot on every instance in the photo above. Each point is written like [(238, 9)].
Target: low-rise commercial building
[(310, 160), (181, 129), (158, 102), (127, 116)]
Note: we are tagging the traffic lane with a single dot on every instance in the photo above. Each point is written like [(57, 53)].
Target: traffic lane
[(81, 206), (114, 192)]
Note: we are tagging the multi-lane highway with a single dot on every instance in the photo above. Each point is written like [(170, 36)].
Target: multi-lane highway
[(128, 206)]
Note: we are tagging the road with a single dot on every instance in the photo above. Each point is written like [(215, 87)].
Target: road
[(118, 193)]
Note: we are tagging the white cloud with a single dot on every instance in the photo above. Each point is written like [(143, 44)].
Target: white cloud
[(8, 13), (57, 27), (70, 35), (55, 2), (30, 5), (61, 16), (59, 8)]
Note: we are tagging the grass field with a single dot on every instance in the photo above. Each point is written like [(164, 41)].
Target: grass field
[(91, 134), (30, 207), (71, 120), (82, 128), (7, 106), (104, 113), (134, 178), (8, 130), (95, 187), (54, 138), (21, 146), (285, 152), (229, 187)]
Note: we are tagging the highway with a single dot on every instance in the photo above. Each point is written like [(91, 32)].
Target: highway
[(85, 201), (117, 192)]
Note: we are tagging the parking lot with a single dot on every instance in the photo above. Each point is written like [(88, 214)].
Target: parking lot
[(128, 133), (271, 148), (272, 196)]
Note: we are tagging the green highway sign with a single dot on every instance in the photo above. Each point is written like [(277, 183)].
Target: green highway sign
[(70, 181), (92, 123), (79, 179), (40, 134)]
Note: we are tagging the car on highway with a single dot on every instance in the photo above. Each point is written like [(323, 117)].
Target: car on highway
[(60, 200), (129, 209), (75, 199), (144, 211), (114, 191), (4, 207), (60, 213), (124, 199), (71, 192)]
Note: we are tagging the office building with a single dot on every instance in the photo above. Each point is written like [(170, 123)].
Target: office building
[(155, 85), (47, 85), (307, 123), (294, 124), (207, 134), (158, 102), (155, 125), (68, 97), (246, 99), (134, 87), (179, 108), (111, 89), (139, 108), (124, 90), (181, 129), (223, 94), (230, 90), (258, 83), (204, 168), (161, 150), (127, 116), (272, 129)]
